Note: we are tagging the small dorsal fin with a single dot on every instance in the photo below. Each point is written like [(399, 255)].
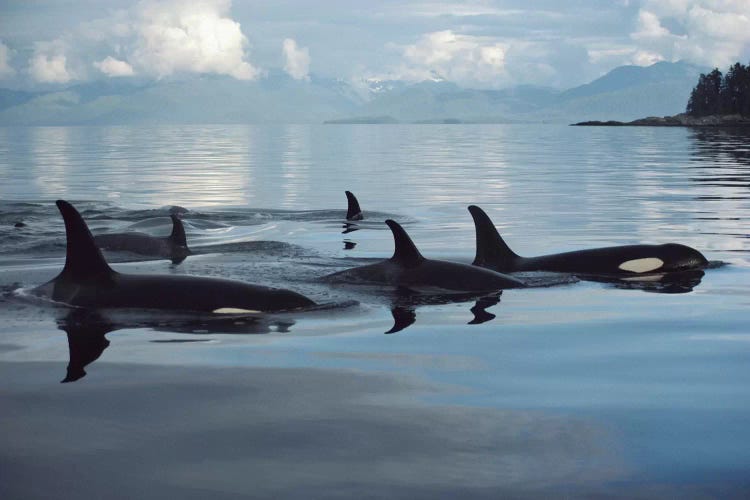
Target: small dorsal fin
[(406, 252), (83, 259), (178, 232), (492, 251), (353, 212)]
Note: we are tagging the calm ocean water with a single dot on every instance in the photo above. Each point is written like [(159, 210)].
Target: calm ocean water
[(579, 389)]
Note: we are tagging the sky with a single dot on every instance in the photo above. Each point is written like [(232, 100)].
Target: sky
[(474, 43)]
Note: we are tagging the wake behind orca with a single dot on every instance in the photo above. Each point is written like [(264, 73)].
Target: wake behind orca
[(88, 281), (173, 247), (626, 261), (408, 268)]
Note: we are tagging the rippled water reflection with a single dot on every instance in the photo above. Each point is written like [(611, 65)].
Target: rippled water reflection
[(545, 184), (584, 388)]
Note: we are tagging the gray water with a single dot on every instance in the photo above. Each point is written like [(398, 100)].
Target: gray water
[(576, 389)]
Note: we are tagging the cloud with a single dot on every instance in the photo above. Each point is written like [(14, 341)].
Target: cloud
[(156, 37), (6, 70), (710, 32), (458, 58), (490, 62), (477, 43), (297, 60), (49, 63), (114, 67), (194, 37), (649, 27)]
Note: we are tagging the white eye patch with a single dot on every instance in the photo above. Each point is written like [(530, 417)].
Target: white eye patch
[(233, 310), (642, 265)]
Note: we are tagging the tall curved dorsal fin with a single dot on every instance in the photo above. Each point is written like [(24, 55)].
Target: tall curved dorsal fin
[(405, 252), (83, 259), (178, 232), (353, 212), (491, 249)]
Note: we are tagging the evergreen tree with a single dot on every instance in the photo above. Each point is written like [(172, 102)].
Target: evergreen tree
[(716, 94), (743, 90)]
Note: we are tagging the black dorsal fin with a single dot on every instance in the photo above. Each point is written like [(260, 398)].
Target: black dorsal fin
[(83, 260), (178, 232), (492, 251), (353, 212), (406, 252)]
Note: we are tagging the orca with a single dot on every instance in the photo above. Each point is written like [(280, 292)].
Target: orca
[(409, 269), (628, 261), (173, 247), (87, 281), (353, 212)]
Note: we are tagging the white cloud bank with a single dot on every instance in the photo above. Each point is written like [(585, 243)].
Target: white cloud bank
[(297, 60), (158, 38), (705, 32), (486, 62), (710, 32), (49, 63), (476, 43), (195, 37), (459, 58), (6, 71)]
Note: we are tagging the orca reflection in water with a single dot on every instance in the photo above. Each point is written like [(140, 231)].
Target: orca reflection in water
[(173, 247), (86, 342), (86, 330), (408, 268), (404, 308), (674, 282), (628, 261), (88, 281), (348, 227)]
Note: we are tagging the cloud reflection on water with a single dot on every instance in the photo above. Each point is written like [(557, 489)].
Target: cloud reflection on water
[(286, 433)]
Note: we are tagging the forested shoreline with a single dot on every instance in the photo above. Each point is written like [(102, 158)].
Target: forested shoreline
[(717, 100)]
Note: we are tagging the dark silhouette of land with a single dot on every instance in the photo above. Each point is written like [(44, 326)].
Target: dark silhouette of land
[(716, 101)]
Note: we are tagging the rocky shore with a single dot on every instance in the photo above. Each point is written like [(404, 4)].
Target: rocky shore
[(681, 120)]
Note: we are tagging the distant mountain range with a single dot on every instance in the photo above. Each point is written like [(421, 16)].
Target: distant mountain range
[(625, 93)]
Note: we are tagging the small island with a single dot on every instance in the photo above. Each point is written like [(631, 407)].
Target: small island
[(362, 120), (716, 101)]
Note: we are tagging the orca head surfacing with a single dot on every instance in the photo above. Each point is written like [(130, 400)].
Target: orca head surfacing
[(665, 258), (353, 212), (492, 251), (678, 257)]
